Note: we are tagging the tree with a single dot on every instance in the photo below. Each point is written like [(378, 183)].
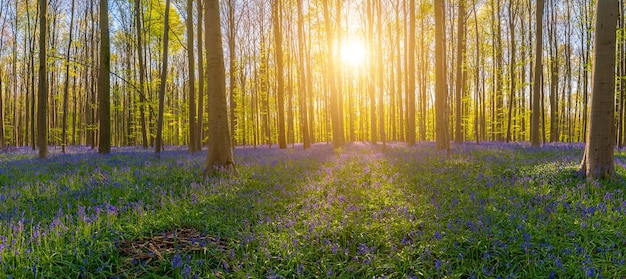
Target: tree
[(410, 89), (336, 119), (440, 72), (220, 154), (598, 160), (192, 79), (142, 74), (1, 109), (537, 80), (460, 74), (302, 92), (158, 145), (512, 16), (200, 128), (232, 61), (42, 95), (104, 81), (67, 82), (278, 42)]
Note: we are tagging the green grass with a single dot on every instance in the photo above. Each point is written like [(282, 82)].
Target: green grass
[(484, 211)]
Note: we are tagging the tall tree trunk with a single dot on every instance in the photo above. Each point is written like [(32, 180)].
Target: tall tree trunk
[(42, 95), (338, 139), (232, 37), (220, 153), (192, 79), (302, 92), (158, 145), (200, 127), (441, 93), (410, 91), (499, 88), (380, 75), (477, 109), (554, 74), (537, 82), (460, 73), (1, 108), (104, 81), (280, 90), (512, 17), (598, 161), (142, 75), (622, 76), (67, 82), (369, 77)]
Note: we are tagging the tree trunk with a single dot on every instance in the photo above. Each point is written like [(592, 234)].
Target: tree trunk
[(460, 74), (554, 74), (440, 72), (192, 79), (410, 91), (1, 108), (598, 161), (158, 145), (220, 153), (302, 92), (142, 76), (232, 37), (42, 95), (200, 128), (280, 91), (338, 139), (67, 82), (537, 82), (512, 16), (104, 81)]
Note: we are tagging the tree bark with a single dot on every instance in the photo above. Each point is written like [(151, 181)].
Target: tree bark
[(280, 90), (42, 95), (512, 17), (192, 79), (142, 75), (104, 81), (67, 82), (537, 82), (598, 161), (158, 145), (200, 128), (460, 74), (220, 153), (338, 139), (232, 60), (302, 92), (410, 91), (441, 128)]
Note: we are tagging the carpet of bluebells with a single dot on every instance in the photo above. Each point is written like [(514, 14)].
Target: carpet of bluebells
[(482, 211)]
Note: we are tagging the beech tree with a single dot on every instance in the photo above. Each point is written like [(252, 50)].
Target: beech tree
[(537, 80), (441, 91), (67, 83), (104, 81), (159, 136), (598, 160), (42, 95), (220, 154), (193, 147)]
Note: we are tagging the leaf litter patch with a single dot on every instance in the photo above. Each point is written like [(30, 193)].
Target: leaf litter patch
[(178, 241)]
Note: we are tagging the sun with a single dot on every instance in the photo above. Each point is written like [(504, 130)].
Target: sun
[(353, 52)]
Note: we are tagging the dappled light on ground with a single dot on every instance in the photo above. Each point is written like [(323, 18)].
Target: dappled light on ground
[(360, 211)]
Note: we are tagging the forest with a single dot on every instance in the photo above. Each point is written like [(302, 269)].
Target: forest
[(290, 64), (343, 138)]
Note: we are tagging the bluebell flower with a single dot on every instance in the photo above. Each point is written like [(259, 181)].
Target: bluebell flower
[(177, 261)]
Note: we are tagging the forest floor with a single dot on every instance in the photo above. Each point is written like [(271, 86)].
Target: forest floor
[(488, 210)]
